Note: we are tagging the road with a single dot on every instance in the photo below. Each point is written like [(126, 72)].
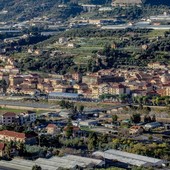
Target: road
[(3, 168), (26, 104)]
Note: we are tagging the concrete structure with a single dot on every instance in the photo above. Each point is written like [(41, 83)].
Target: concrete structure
[(27, 117), (8, 118), (129, 158)]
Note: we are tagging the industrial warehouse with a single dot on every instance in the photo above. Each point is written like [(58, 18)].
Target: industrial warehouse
[(130, 158), (54, 163)]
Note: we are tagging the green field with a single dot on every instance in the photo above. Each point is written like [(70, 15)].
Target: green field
[(3, 110)]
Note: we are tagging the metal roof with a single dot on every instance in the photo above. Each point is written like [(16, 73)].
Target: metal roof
[(63, 95), (84, 160), (129, 158), (54, 163)]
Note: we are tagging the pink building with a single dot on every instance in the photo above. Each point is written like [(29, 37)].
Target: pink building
[(8, 118)]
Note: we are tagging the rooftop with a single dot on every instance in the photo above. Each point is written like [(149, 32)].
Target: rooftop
[(9, 114), (129, 158), (54, 163), (63, 95)]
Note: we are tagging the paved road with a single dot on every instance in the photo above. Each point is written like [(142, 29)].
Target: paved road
[(3, 168), (26, 104)]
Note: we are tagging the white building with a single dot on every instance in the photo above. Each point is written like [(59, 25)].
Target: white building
[(89, 123), (27, 117)]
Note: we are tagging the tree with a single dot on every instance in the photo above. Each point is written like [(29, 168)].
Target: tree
[(153, 119), (3, 85), (69, 128), (92, 141), (147, 119), (81, 108), (36, 167), (21, 148), (136, 118), (114, 118), (8, 148)]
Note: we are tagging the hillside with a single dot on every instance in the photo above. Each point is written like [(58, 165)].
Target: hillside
[(20, 10), (151, 2), (23, 9)]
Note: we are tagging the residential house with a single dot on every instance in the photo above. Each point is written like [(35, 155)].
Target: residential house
[(135, 130), (80, 87), (51, 129), (76, 131), (7, 135), (15, 80), (71, 45), (8, 118), (27, 117), (109, 88)]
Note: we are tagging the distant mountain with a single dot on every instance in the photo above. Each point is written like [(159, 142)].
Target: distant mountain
[(27, 9), (20, 10), (151, 2)]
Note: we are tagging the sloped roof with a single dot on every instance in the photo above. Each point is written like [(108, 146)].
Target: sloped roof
[(14, 134), (51, 126), (9, 114), (127, 1)]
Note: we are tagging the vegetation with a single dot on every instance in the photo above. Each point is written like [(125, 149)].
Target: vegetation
[(36, 167), (152, 150)]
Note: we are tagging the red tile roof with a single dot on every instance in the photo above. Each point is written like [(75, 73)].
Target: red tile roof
[(13, 134), (9, 114), (51, 126), (75, 128)]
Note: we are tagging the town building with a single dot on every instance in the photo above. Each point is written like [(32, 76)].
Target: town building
[(7, 135), (27, 117), (135, 130), (8, 118), (52, 129)]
